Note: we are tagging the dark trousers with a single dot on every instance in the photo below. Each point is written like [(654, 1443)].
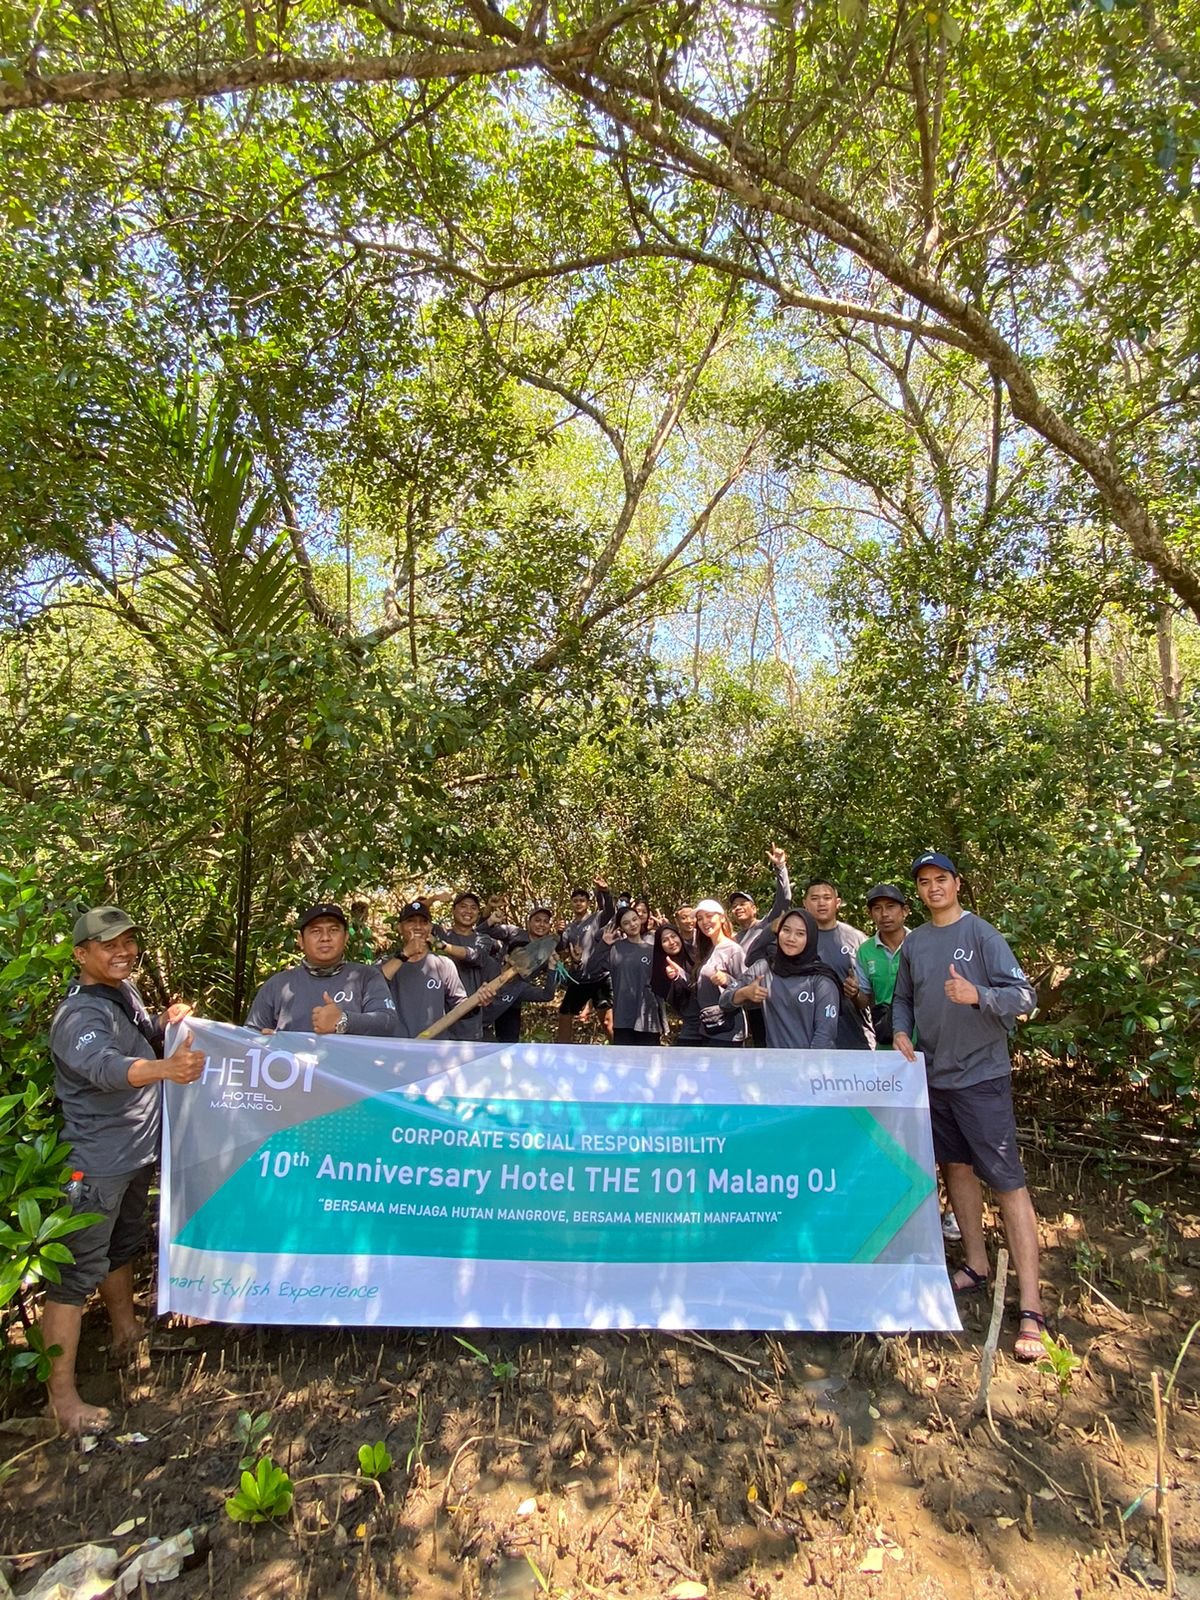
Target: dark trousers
[(507, 1026), (635, 1036)]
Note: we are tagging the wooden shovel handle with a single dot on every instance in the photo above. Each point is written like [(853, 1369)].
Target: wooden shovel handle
[(461, 1009)]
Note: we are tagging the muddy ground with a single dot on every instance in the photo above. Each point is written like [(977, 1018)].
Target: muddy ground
[(639, 1464)]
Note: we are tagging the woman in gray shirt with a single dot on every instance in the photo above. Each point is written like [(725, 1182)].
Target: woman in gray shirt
[(798, 993), (622, 954)]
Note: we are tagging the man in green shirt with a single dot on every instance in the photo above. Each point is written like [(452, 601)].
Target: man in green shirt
[(877, 960)]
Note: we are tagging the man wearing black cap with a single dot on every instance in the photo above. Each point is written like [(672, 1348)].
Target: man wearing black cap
[(108, 1071), (754, 934), (323, 992), (960, 985), (424, 986), (750, 930), (477, 956), (875, 966), (877, 961)]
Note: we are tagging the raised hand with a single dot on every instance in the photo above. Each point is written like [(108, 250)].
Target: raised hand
[(961, 990), (184, 1065), (776, 856), (325, 1018), (611, 934)]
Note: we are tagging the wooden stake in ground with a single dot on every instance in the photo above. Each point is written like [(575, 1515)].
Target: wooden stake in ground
[(1162, 1520), (993, 1335)]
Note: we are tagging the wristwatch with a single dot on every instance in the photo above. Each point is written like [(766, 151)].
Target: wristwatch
[(340, 1025)]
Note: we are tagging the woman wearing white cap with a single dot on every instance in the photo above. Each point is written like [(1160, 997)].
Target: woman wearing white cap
[(720, 961)]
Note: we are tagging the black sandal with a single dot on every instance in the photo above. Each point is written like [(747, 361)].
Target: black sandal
[(978, 1281), (1034, 1349)]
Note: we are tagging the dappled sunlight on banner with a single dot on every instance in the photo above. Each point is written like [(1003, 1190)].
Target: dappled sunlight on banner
[(362, 1182)]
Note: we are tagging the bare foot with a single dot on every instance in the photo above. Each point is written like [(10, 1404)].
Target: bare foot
[(125, 1341), (75, 1418)]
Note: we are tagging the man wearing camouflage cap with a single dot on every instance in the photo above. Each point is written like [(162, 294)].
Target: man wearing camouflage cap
[(108, 1072)]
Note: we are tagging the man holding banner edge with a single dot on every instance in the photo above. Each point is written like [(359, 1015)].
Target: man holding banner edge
[(108, 1068)]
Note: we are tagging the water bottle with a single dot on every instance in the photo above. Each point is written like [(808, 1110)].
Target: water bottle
[(75, 1188)]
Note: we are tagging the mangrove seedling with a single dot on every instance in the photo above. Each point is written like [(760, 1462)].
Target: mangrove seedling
[(374, 1459), (263, 1495)]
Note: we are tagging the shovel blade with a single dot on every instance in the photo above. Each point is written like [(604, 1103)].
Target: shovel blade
[(529, 957)]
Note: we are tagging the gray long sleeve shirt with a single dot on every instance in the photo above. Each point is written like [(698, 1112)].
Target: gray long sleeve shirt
[(423, 991), (581, 935), (286, 1001), (111, 1127), (799, 1013), (757, 939), (484, 959), (517, 991), (837, 947), (963, 1044), (724, 958), (627, 965)]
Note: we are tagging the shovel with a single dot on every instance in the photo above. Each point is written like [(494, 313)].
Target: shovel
[(522, 963)]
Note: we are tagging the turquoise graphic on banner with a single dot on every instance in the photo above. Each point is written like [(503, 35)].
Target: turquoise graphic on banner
[(569, 1181)]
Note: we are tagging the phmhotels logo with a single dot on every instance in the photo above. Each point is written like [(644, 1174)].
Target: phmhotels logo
[(854, 1085)]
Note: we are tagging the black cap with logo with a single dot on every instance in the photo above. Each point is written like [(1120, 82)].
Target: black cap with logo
[(326, 908)]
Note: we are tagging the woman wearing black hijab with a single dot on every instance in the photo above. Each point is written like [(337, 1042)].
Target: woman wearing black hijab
[(799, 995)]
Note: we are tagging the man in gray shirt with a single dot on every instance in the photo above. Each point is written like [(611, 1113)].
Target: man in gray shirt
[(108, 1076), (753, 932), (477, 956), (577, 943), (962, 988), (424, 986), (323, 992), (838, 944), (750, 930)]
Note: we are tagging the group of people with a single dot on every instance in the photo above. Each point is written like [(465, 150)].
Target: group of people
[(794, 978), (797, 977)]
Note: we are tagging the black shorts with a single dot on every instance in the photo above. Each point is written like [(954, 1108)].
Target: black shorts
[(577, 995), (112, 1242), (635, 1036), (976, 1127)]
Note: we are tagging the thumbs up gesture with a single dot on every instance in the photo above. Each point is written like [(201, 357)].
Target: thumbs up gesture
[(326, 1017), (961, 990)]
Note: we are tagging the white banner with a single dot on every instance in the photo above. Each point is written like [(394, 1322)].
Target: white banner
[(369, 1182)]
